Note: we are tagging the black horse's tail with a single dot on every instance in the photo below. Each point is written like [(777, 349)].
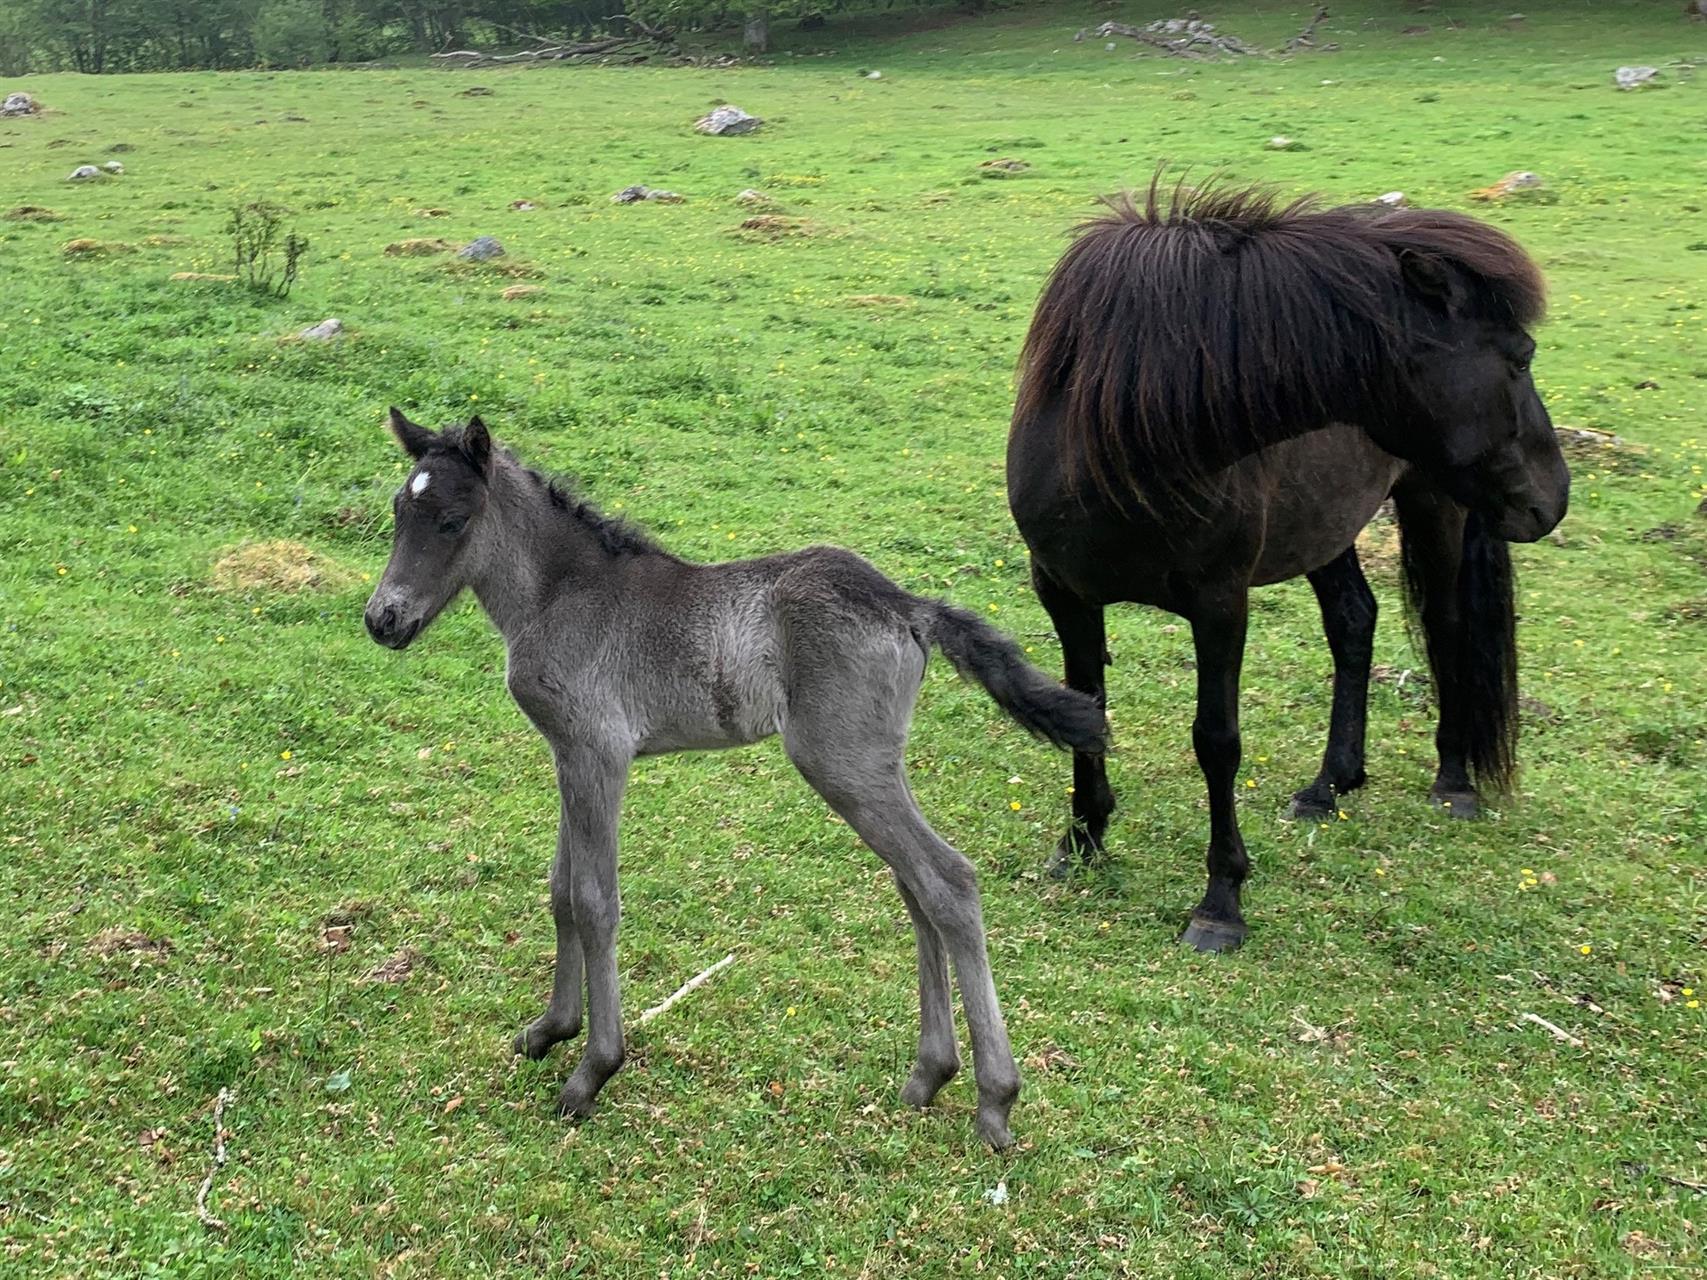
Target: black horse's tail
[(1473, 652), (1048, 710)]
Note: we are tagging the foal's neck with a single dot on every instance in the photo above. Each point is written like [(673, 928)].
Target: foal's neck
[(535, 548)]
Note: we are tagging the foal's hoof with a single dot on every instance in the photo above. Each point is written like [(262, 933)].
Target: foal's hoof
[(1460, 804), (575, 1103), (539, 1036), (926, 1082), (1204, 934), (994, 1130)]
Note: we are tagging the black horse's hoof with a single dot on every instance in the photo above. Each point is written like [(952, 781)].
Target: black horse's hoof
[(1460, 804), (1075, 850), (1313, 804), (1204, 934)]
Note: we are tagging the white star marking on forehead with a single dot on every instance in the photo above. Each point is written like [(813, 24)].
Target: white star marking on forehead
[(419, 482)]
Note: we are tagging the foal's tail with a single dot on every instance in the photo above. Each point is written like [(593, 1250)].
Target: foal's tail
[(1053, 712)]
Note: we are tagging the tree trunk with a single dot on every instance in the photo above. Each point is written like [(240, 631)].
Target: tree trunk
[(757, 36)]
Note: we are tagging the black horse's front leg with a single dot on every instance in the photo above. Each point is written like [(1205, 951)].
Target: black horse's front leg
[(1218, 631), (1348, 619), (1084, 652)]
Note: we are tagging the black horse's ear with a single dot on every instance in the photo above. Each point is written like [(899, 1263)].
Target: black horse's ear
[(477, 444), (415, 440), (1431, 280)]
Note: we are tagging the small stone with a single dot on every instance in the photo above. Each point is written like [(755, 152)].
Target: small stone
[(523, 206), (84, 173), (640, 191), (326, 329), (874, 75), (19, 104), (1280, 142), (481, 249), (1393, 200), (113, 167), (1634, 77), (1515, 183), (727, 119), (750, 196)]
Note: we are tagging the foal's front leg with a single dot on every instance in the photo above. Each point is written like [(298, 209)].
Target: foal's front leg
[(1218, 629), (592, 782), (562, 1017)]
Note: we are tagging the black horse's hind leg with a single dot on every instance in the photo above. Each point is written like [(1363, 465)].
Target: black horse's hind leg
[(1084, 652), (1432, 526), (1219, 633), (1348, 618)]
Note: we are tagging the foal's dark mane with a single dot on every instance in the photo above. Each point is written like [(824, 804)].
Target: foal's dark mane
[(616, 536), (1203, 324)]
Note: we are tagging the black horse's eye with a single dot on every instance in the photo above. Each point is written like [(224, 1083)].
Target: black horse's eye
[(452, 525)]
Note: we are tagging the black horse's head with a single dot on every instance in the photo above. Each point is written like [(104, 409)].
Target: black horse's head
[(1467, 411), (436, 539)]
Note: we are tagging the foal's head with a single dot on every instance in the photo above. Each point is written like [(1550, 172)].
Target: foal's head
[(436, 541), (1468, 413)]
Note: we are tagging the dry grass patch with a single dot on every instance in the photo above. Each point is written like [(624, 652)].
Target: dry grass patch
[(516, 292), (418, 248), (84, 247), (278, 565), (115, 939), (33, 213), (201, 277), (771, 226), (879, 300)]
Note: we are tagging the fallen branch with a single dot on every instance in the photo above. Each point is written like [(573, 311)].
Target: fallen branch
[(1558, 1032), (202, 1211), (698, 980)]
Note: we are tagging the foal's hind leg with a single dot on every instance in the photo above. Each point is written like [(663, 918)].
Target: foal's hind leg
[(939, 1056), (1348, 618), (1084, 652), (1219, 632), (847, 743)]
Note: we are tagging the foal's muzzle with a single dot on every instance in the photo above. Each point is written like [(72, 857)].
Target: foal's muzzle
[(388, 629)]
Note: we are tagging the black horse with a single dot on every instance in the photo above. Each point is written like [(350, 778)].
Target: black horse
[(1218, 391)]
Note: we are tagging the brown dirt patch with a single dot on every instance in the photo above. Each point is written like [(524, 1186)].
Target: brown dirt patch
[(33, 213), (418, 248), (84, 247), (516, 292), (879, 300), (112, 941), (771, 226), (395, 968), (278, 565)]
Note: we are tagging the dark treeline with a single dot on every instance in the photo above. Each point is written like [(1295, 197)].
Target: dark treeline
[(98, 36)]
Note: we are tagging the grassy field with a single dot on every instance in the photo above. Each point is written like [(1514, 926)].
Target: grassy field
[(225, 810)]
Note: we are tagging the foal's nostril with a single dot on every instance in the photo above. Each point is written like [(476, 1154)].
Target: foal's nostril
[(381, 625)]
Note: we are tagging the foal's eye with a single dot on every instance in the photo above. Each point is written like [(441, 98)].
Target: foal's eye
[(452, 525)]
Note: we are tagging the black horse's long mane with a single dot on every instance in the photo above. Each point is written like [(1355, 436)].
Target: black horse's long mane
[(1186, 331)]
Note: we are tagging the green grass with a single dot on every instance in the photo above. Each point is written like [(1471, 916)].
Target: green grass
[(1353, 1094)]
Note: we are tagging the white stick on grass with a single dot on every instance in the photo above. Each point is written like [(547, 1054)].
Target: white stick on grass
[(1558, 1032), (202, 1211), (698, 980)]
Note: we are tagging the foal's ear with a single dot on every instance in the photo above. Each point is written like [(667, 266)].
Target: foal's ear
[(477, 444), (1431, 280), (415, 440)]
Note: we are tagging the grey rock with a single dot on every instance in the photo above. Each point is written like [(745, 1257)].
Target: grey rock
[(19, 104), (325, 330), (113, 166), (480, 249), (84, 173), (640, 191), (1634, 77), (727, 119)]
